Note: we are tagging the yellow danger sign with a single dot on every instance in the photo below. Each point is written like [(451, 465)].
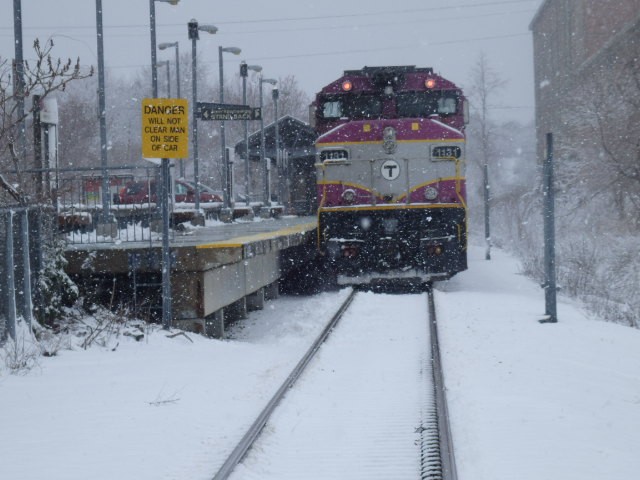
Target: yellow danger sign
[(165, 128)]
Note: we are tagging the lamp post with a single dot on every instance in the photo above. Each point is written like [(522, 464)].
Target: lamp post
[(226, 169), (19, 78), (244, 73), (193, 29), (279, 161), (167, 315), (267, 200), (102, 115), (164, 46), (152, 23), (165, 63)]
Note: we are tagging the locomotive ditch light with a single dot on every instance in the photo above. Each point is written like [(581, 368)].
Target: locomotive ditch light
[(349, 196), (430, 83), (347, 85), (430, 193)]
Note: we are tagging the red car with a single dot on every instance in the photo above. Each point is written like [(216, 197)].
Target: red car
[(144, 191)]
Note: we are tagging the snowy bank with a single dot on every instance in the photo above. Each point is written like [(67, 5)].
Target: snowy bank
[(528, 401)]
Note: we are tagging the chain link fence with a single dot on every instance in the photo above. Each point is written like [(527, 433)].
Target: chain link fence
[(132, 212), (75, 207)]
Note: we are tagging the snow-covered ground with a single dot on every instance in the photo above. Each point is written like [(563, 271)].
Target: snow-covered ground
[(531, 400), (528, 401)]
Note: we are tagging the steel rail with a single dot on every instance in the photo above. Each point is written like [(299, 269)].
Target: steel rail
[(249, 438), (447, 457)]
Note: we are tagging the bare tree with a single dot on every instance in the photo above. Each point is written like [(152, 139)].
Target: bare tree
[(603, 145), (43, 77), (485, 83)]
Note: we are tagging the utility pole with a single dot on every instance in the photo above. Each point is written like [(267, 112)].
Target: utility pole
[(549, 235)]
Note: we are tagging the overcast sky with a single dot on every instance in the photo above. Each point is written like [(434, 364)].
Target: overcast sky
[(315, 40)]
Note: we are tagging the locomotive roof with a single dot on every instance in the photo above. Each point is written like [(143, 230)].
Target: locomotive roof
[(369, 78), (370, 71)]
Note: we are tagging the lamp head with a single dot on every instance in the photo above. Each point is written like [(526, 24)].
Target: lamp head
[(193, 29), (208, 28), (234, 50)]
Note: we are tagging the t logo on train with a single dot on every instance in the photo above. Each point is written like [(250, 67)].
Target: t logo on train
[(390, 176)]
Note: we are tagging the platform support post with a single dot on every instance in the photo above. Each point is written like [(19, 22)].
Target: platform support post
[(272, 291), (255, 301), (214, 324)]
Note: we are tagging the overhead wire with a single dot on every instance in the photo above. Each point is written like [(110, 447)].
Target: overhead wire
[(296, 19)]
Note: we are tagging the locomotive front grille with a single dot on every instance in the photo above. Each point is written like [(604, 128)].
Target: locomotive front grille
[(365, 240)]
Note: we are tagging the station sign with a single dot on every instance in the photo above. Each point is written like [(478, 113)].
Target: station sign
[(165, 128), (226, 111)]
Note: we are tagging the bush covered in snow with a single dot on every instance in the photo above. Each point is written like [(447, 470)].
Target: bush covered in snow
[(597, 251)]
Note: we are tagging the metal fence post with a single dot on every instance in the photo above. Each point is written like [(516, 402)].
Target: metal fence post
[(11, 285), (549, 235), (26, 266)]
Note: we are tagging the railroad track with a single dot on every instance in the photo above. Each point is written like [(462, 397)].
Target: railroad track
[(438, 459), (413, 430)]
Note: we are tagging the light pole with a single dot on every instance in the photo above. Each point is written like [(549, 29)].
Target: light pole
[(275, 94), (167, 315), (244, 73), (102, 115), (19, 78), (164, 46), (152, 23), (226, 169), (267, 200), (193, 29), (165, 63)]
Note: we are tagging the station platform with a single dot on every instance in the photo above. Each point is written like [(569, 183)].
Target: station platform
[(217, 271)]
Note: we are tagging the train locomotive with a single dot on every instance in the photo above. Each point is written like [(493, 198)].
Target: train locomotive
[(390, 157)]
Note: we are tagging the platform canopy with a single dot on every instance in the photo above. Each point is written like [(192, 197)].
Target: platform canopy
[(296, 137)]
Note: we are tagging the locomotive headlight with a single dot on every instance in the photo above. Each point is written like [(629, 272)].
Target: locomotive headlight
[(389, 143), (349, 195), (430, 193)]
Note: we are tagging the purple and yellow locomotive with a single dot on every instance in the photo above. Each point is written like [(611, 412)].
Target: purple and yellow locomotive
[(391, 186)]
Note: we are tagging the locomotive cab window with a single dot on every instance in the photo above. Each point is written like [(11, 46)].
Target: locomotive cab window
[(332, 109), (423, 104), (447, 105), (353, 106)]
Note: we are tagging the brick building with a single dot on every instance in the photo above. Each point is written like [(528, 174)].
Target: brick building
[(578, 43)]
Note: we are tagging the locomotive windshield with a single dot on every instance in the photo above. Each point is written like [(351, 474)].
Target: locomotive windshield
[(407, 105), (352, 106), (423, 104)]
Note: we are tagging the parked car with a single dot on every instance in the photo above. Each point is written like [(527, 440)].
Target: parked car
[(144, 191)]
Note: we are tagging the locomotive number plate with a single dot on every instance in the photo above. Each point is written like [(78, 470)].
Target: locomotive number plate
[(446, 152)]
